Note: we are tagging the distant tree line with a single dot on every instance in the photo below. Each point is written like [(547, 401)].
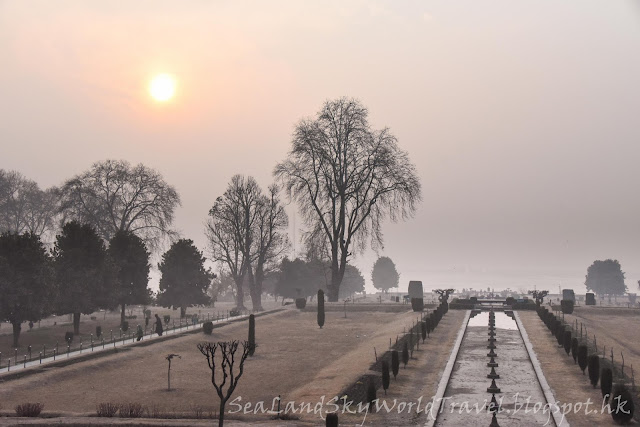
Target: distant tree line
[(87, 244)]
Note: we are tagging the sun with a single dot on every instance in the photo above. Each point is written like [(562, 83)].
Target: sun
[(162, 87)]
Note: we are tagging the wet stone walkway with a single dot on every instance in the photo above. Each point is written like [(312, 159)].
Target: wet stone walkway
[(521, 400)]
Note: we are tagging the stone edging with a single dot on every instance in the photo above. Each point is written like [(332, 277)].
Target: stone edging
[(560, 420), (446, 374)]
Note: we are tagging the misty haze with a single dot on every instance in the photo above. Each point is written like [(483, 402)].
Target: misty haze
[(319, 213)]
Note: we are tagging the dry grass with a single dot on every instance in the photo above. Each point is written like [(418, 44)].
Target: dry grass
[(53, 329), (294, 359)]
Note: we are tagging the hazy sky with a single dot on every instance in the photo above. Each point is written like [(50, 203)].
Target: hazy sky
[(521, 117)]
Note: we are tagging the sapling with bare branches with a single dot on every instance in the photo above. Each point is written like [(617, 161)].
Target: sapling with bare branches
[(228, 352), (169, 358)]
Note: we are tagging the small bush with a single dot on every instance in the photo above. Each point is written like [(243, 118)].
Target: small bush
[(320, 308), (417, 304), (98, 331), (583, 352), (395, 363), (385, 376), (567, 342), (423, 330), (68, 337), (124, 326), (567, 306), (147, 314), (332, 420), (574, 349), (252, 334), (29, 409), (207, 327), (234, 312), (621, 404), (606, 381), (94, 318), (131, 410), (371, 396), (301, 303), (560, 336), (510, 300), (132, 317), (405, 354), (429, 324), (594, 369), (167, 319), (107, 409)]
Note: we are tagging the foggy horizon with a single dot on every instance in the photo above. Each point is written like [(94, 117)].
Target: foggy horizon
[(520, 119)]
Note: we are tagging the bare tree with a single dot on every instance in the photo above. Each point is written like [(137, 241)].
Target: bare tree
[(24, 208), (347, 179), (245, 234), (227, 365), (270, 241), (115, 196)]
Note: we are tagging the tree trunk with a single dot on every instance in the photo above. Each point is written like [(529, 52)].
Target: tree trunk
[(221, 415), (76, 323), (122, 314), (183, 312), (240, 294), (256, 298), (17, 327)]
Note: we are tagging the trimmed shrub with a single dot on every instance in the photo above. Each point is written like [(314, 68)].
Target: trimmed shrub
[(252, 334), (147, 314), (621, 404), (371, 396), (567, 342), (560, 335), (574, 349), (98, 331), (385, 376), (423, 330), (320, 308), (29, 409), (167, 319), (107, 409), (395, 363), (124, 326), (606, 381), (234, 312), (405, 354), (207, 328), (68, 337), (593, 365), (301, 303), (417, 304), (332, 420), (583, 352), (567, 306), (429, 324)]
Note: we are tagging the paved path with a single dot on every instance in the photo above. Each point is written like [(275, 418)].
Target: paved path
[(521, 399), (99, 346)]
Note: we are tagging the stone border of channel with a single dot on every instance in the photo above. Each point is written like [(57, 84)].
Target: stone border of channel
[(559, 419), (446, 374)]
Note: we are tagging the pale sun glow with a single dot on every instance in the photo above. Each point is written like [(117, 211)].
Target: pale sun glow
[(162, 87)]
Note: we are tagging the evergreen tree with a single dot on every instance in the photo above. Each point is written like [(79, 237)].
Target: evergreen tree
[(129, 254), (26, 281), (384, 274), (185, 280), (84, 273)]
